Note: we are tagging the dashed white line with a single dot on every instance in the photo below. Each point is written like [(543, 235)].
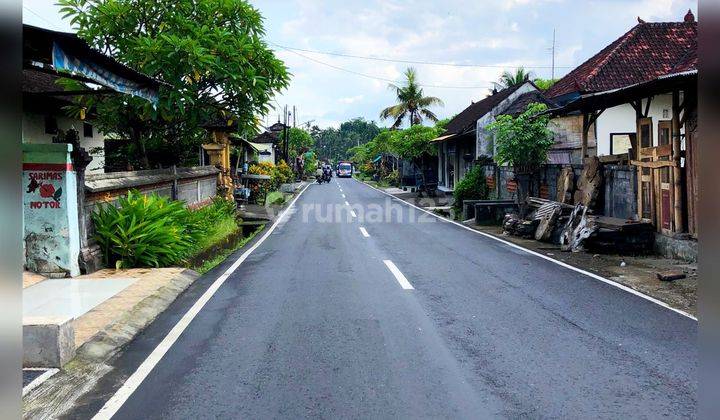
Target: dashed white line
[(346, 203), (364, 232), (545, 257), (404, 283), (343, 195), (352, 213)]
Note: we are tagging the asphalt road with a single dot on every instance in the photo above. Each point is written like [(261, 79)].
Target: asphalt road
[(315, 323)]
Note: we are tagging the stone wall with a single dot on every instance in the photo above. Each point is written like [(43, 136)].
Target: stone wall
[(620, 191), (196, 186), (618, 198)]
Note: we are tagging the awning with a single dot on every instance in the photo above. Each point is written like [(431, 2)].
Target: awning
[(445, 137), (614, 97), (262, 148), (66, 55)]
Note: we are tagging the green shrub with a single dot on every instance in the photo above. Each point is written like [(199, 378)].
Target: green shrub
[(472, 187), (282, 174), (145, 231), (391, 178), (274, 197), (154, 231)]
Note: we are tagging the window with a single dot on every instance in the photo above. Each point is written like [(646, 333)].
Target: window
[(87, 130), (645, 132), (664, 130), (51, 126), (621, 143)]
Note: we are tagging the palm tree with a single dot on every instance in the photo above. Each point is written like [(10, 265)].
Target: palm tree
[(411, 102), (508, 79)]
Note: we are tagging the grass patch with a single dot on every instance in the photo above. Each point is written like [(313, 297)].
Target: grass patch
[(217, 233), (275, 197), (222, 256)]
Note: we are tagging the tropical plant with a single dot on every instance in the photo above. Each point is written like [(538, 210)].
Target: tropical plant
[(414, 142), (544, 84), (311, 163), (144, 231), (412, 104), (472, 186), (211, 53), (333, 143), (281, 174), (522, 141), (300, 142), (509, 79)]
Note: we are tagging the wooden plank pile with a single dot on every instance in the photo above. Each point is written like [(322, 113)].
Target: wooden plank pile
[(577, 229)]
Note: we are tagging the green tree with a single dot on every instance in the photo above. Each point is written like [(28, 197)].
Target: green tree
[(522, 142), (300, 142), (544, 84), (335, 143), (412, 104), (414, 142), (210, 52), (509, 79)]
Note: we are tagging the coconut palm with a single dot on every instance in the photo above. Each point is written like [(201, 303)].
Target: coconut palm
[(412, 105), (508, 79)]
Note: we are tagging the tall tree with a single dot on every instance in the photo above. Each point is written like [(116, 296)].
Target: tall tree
[(210, 52), (334, 143), (412, 104), (509, 79)]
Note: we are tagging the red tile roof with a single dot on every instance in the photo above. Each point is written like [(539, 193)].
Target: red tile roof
[(646, 51)]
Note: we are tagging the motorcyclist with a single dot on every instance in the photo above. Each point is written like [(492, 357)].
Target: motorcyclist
[(319, 172), (326, 173)]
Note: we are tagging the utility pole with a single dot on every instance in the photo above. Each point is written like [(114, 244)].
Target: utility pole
[(286, 132), (553, 56), (294, 117)]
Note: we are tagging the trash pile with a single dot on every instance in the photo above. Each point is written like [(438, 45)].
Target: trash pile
[(575, 227)]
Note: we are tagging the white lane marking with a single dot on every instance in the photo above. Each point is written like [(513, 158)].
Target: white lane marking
[(39, 380), (545, 257), (346, 203), (133, 382), (343, 195), (352, 213), (404, 283), (364, 232)]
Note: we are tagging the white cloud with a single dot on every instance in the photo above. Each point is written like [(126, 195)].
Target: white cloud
[(351, 99)]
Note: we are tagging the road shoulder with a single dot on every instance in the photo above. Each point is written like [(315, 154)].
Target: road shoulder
[(637, 273)]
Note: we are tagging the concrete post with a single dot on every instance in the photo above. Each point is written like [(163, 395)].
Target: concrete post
[(50, 210)]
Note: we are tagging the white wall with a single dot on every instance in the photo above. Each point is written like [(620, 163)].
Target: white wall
[(34, 132), (484, 144), (621, 119)]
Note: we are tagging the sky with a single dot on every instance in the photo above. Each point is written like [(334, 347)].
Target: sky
[(480, 38)]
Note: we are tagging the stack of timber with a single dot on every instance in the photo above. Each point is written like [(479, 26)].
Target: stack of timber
[(577, 229), (590, 183), (585, 231)]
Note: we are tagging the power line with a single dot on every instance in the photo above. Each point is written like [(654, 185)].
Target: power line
[(54, 25), (377, 77), (392, 60)]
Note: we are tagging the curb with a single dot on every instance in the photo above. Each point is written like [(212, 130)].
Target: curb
[(60, 392)]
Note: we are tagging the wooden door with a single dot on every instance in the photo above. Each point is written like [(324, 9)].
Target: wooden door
[(646, 184)]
